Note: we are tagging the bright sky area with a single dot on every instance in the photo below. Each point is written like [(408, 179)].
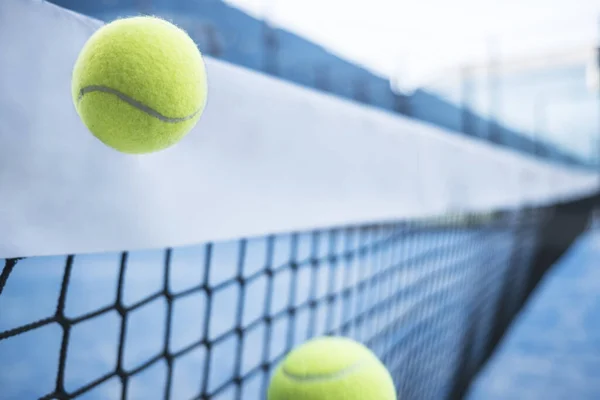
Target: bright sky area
[(418, 38)]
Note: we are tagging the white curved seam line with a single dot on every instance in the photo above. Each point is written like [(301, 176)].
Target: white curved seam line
[(326, 377), (140, 106)]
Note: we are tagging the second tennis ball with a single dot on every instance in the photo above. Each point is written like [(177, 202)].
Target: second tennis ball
[(139, 84), (331, 368)]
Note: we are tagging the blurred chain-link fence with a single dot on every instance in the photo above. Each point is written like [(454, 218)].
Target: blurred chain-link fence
[(545, 105)]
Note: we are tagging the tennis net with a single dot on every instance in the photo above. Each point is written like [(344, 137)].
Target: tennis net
[(211, 321), (284, 215)]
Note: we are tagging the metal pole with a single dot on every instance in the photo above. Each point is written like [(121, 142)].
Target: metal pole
[(539, 123), (270, 41), (493, 89), (271, 47), (466, 86)]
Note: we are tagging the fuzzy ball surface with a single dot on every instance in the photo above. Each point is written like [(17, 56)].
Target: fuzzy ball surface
[(331, 368), (139, 84)]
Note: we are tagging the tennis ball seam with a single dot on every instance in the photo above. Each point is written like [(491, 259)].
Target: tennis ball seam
[(324, 377), (133, 102)]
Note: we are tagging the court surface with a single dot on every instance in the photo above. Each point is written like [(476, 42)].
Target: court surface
[(552, 350)]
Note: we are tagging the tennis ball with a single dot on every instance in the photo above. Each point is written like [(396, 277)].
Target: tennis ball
[(139, 84), (331, 368)]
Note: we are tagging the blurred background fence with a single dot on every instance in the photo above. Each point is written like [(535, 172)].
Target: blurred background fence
[(544, 104)]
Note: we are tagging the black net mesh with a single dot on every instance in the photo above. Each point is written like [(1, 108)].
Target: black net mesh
[(211, 321)]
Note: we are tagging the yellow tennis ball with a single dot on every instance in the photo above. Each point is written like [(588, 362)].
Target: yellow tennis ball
[(139, 84), (331, 368)]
